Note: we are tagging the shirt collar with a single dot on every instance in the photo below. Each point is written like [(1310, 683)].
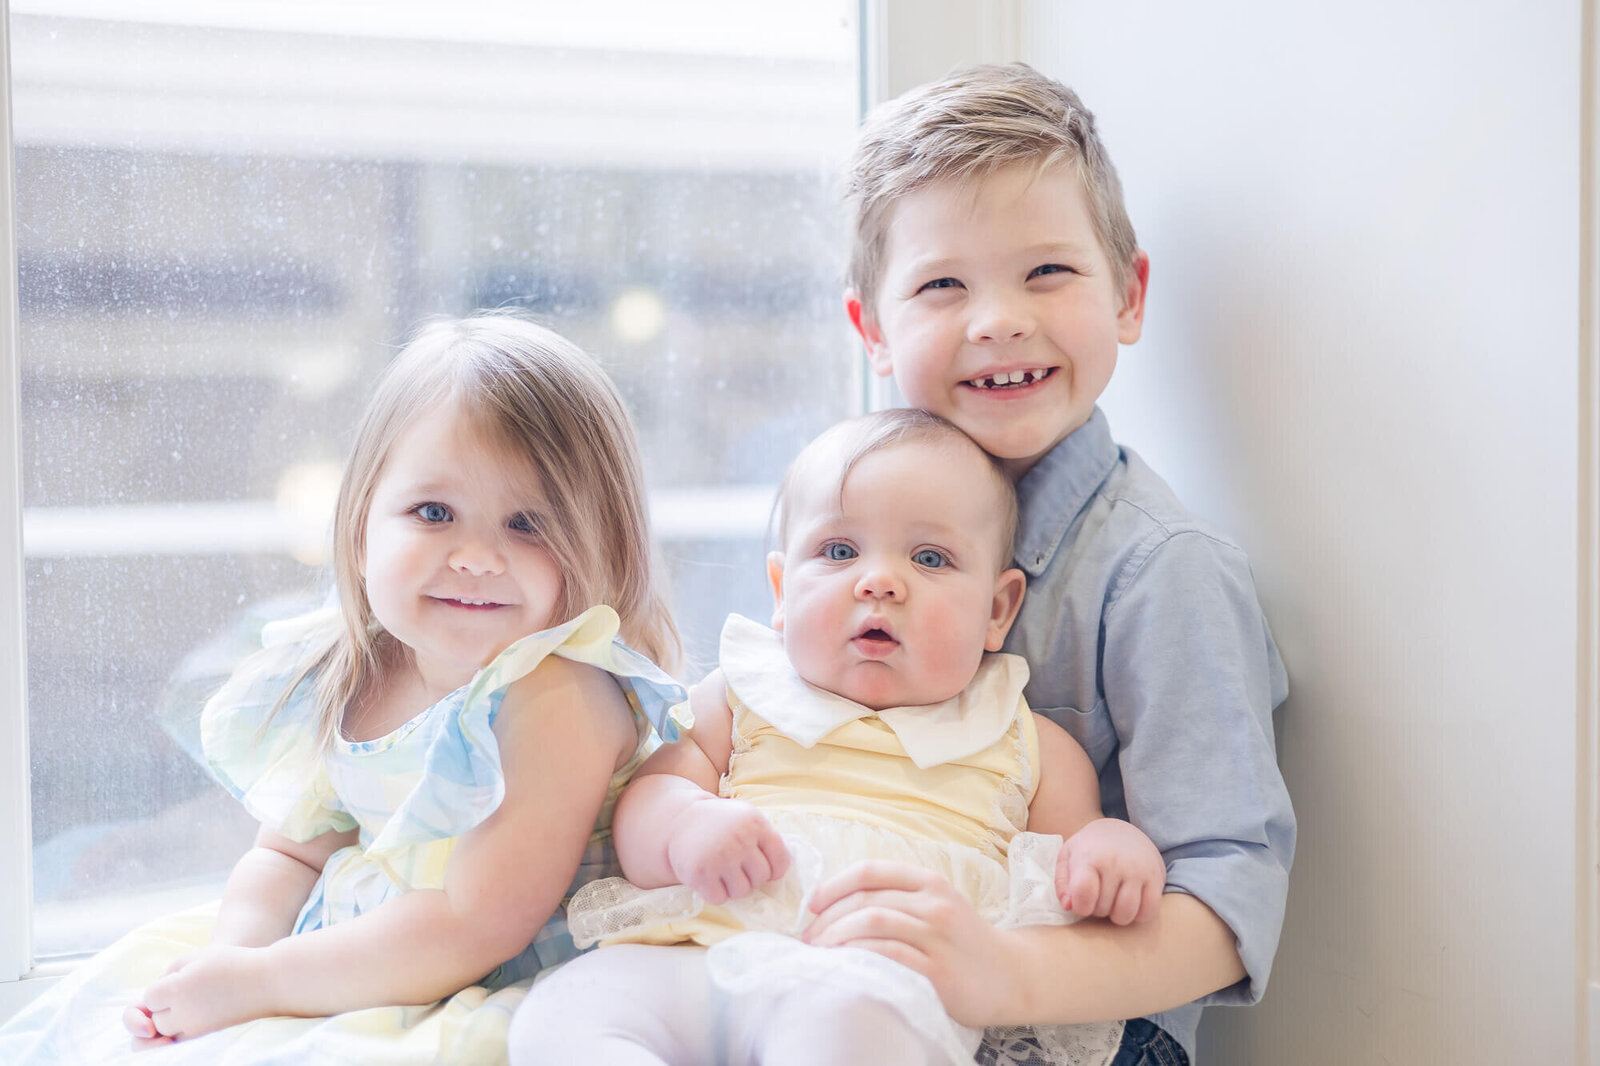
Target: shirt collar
[(758, 672), (1052, 494)]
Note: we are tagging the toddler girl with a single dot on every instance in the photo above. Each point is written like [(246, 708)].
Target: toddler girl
[(871, 725), (433, 762)]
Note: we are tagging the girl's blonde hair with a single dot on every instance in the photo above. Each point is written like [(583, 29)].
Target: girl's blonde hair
[(539, 397)]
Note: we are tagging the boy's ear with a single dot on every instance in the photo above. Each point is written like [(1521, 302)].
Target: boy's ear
[(867, 326), (1008, 589), (1130, 320), (775, 579)]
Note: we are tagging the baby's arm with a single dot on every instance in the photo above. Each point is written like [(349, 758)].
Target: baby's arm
[(672, 828), (1107, 867), (562, 732)]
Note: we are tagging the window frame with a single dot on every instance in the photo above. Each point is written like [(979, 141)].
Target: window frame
[(900, 45)]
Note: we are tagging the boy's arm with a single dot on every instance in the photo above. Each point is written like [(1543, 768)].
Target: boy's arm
[(671, 827), (1191, 676)]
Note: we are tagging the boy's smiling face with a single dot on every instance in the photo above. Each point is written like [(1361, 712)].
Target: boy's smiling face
[(997, 308)]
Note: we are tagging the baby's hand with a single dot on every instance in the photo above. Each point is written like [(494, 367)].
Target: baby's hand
[(724, 849), (1109, 869)]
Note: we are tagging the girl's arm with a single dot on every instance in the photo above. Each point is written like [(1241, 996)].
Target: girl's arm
[(269, 884), (562, 733), (672, 828)]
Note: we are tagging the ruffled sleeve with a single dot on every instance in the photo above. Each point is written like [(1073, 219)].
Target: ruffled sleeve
[(270, 761), (462, 782)]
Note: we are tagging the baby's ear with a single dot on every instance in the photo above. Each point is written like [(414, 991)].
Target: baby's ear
[(775, 579), (1008, 589), (867, 326)]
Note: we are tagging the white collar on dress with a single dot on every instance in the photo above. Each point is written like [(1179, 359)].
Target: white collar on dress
[(759, 673)]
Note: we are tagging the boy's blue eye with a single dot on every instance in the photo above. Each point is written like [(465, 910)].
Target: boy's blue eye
[(523, 523), (433, 512), (931, 559), (839, 553), (943, 283), (1050, 268)]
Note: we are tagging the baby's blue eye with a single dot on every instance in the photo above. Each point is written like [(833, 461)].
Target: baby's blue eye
[(931, 559), (433, 512), (838, 552)]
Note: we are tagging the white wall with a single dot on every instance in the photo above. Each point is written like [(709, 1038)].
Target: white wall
[(1361, 358)]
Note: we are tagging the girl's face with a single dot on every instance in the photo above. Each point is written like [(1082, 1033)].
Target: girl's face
[(453, 562)]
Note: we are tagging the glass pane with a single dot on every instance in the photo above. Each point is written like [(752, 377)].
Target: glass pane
[(231, 213)]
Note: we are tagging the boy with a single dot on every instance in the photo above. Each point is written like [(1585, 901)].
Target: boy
[(994, 274)]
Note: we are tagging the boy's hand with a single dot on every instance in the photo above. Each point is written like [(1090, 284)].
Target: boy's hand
[(211, 989), (724, 849), (916, 918), (1109, 869)]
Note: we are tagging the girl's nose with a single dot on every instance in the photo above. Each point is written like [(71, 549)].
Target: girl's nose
[(998, 319), (881, 583), (477, 558)]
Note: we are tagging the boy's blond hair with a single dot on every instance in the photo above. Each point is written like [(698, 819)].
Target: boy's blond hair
[(964, 127), (835, 452)]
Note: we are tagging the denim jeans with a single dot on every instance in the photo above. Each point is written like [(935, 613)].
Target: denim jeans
[(1146, 1044), (1143, 1044)]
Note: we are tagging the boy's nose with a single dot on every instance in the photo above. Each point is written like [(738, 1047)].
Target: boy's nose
[(997, 320)]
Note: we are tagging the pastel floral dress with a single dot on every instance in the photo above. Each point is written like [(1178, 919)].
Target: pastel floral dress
[(410, 794)]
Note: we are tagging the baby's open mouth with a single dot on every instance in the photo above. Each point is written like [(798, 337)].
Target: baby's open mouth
[(1014, 379)]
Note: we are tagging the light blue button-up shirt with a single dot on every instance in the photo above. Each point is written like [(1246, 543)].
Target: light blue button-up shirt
[(1147, 644)]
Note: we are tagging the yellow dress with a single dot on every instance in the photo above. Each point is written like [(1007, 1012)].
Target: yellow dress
[(944, 787)]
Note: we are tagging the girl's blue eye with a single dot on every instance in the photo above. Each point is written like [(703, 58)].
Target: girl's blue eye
[(931, 559), (433, 512), (838, 552), (523, 523)]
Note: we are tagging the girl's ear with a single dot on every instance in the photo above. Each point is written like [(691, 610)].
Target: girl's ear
[(775, 579), (1008, 589), (867, 326)]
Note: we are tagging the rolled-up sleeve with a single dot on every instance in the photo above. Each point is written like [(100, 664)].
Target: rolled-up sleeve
[(1190, 677)]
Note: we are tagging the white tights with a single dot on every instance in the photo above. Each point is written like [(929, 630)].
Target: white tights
[(637, 1004)]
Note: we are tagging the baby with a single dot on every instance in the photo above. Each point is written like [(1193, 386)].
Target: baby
[(872, 722)]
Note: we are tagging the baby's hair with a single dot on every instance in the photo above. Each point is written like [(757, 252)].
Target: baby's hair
[(964, 127), (538, 397), (846, 443)]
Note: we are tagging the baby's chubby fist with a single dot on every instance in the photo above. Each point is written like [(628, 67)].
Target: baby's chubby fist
[(1109, 869), (724, 849)]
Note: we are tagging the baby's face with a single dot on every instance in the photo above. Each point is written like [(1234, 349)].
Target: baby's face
[(889, 592), (999, 310)]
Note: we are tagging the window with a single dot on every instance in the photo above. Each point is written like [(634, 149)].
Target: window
[(228, 214)]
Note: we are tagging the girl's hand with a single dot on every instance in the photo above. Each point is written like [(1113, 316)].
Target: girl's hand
[(211, 989), (724, 849), (917, 919), (1109, 869)]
